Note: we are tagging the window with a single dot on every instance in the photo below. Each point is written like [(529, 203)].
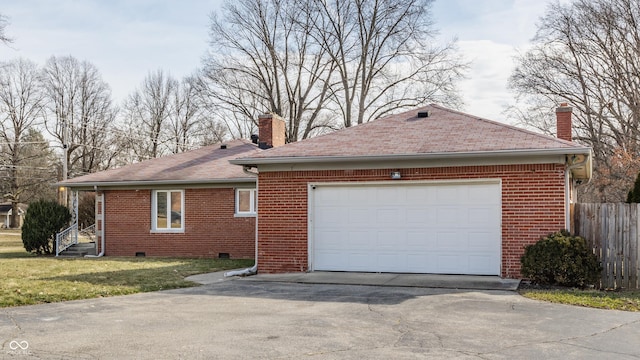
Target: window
[(246, 202), (167, 210)]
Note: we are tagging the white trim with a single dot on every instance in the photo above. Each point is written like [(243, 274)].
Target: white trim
[(496, 154), (253, 199), (411, 182), (154, 211), (158, 185), (415, 163), (311, 202)]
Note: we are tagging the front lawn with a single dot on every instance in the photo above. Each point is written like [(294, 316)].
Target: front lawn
[(27, 279)]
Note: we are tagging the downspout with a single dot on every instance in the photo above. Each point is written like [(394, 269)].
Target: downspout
[(567, 191), (254, 269), (102, 242)]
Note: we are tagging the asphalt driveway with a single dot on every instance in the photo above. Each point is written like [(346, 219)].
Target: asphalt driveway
[(239, 319)]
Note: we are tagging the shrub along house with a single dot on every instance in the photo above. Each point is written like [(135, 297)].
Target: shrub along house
[(191, 204), (430, 190)]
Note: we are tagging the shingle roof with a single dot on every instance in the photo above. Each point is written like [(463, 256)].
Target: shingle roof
[(444, 131), (206, 164), (5, 207)]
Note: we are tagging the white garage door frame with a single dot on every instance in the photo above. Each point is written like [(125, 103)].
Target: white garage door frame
[(311, 203)]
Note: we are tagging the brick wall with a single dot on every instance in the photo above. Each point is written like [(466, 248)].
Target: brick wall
[(532, 206), (210, 226)]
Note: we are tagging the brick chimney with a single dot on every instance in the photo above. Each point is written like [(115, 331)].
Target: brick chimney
[(563, 121), (271, 131)]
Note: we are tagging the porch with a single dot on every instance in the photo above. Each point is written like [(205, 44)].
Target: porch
[(79, 242)]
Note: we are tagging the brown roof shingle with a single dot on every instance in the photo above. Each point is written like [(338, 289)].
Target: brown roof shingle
[(444, 131), (206, 164)]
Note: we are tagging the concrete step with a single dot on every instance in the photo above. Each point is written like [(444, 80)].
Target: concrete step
[(79, 250)]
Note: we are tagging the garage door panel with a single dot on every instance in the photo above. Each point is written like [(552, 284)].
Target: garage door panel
[(387, 215), (482, 240), (389, 196), (420, 195), (331, 198), (332, 239), (447, 195), (421, 262), (447, 240), (359, 215), (447, 215), (415, 215), (330, 215), (360, 261), (418, 240), (333, 260), (357, 239), (389, 262), (479, 216), (422, 228), (483, 264), (389, 240), (450, 263), (357, 195)]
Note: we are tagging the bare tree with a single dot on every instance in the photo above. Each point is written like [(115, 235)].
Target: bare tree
[(21, 108), (4, 22), (326, 64), (263, 59), (185, 116), (81, 113), (39, 168), (386, 56), (147, 111), (588, 53), (212, 131)]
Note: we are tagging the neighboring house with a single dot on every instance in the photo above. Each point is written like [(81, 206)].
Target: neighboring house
[(6, 212), (430, 190), (192, 204)]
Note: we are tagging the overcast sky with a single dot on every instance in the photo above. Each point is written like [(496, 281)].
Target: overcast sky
[(126, 39)]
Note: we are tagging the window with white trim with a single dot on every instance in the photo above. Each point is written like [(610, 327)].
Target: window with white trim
[(246, 202), (167, 210)]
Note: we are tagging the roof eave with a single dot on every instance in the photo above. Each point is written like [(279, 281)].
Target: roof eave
[(424, 156), (132, 183)]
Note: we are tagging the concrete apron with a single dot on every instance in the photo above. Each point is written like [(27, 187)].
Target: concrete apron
[(471, 282)]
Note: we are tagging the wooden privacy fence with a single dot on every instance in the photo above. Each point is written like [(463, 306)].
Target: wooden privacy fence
[(613, 231)]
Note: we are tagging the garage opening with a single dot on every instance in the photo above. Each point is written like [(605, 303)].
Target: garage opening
[(408, 227)]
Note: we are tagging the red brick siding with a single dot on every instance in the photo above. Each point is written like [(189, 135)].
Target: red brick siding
[(210, 226), (532, 206)]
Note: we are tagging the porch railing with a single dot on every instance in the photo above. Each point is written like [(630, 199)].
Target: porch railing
[(89, 232), (66, 238)]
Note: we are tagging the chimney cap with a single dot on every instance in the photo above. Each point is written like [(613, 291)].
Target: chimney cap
[(564, 107), (423, 114)]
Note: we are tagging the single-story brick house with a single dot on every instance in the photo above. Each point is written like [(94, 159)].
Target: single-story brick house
[(191, 204), (430, 190)]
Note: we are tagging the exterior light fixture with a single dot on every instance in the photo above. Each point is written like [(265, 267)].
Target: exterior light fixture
[(395, 175)]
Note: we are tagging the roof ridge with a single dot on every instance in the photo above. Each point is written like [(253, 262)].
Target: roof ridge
[(512, 127)]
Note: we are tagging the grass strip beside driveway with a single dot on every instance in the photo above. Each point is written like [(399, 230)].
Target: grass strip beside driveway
[(613, 300), (27, 279)]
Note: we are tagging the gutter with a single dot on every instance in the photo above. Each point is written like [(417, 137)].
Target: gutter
[(102, 241), (567, 191), (398, 157), (139, 183), (254, 269)]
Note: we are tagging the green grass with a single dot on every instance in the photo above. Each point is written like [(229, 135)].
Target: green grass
[(28, 279), (613, 300)]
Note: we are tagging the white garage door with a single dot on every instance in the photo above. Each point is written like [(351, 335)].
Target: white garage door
[(450, 228)]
